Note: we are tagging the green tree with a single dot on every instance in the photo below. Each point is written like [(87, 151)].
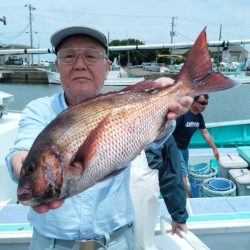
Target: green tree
[(134, 57)]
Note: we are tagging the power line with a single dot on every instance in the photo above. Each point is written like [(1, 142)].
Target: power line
[(188, 38), (16, 35)]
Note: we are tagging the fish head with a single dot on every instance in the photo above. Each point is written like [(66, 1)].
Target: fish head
[(41, 176)]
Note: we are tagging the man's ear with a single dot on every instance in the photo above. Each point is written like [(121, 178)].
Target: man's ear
[(56, 64), (108, 67)]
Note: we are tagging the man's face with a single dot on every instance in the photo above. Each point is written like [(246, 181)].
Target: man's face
[(201, 104), (80, 78)]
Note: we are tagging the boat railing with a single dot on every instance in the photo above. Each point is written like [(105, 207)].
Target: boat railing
[(225, 134), (5, 99)]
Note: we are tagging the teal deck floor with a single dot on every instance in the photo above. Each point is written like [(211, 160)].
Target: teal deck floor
[(13, 218)]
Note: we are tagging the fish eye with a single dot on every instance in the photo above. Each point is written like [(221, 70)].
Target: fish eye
[(30, 168)]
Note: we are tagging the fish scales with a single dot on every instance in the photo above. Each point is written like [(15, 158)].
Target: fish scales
[(83, 125), (117, 135)]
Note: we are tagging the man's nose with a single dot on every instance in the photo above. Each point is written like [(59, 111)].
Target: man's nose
[(80, 60)]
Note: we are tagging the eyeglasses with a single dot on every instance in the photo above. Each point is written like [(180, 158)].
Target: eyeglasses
[(202, 103), (91, 56)]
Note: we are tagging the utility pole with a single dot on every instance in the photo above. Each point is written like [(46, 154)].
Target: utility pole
[(31, 32), (3, 20), (172, 32)]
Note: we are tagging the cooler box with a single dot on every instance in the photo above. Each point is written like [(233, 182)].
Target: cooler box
[(228, 162), (244, 152), (241, 178)]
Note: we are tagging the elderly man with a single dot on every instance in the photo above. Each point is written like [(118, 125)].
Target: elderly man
[(100, 217)]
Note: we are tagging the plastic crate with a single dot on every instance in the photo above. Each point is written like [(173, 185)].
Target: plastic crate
[(230, 161), (241, 178), (244, 152)]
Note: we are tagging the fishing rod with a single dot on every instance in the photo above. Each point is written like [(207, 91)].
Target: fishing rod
[(224, 44)]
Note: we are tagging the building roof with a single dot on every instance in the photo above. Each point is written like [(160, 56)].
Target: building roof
[(14, 46)]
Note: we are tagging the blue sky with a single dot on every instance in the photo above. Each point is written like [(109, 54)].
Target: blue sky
[(146, 20)]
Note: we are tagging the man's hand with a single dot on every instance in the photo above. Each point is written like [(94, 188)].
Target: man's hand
[(216, 153), (17, 162), (176, 227), (179, 107), (176, 108), (43, 208)]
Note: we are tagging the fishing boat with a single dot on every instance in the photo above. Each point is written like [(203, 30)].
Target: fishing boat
[(215, 223), (53, 76)]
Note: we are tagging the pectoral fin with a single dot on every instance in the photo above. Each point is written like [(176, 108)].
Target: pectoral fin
[(87, 150)]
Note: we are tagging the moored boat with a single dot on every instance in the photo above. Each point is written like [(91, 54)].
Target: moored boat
[(116, 77)]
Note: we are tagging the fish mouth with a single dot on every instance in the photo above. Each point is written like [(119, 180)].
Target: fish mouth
[(25, 194)]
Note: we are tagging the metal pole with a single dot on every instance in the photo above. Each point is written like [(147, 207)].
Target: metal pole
[(218, 50), (38, 47)]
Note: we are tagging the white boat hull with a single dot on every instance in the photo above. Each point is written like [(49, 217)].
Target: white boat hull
[(115, 78)]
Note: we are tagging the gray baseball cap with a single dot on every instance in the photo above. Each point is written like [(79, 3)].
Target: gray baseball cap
[(62, 34)]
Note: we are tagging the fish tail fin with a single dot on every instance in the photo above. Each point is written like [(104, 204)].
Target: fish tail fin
[(196, 73)]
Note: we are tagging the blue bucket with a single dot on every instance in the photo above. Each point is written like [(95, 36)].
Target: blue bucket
[(201, 168), (219, 184), (214, 164), (196, 180), (216, 187)]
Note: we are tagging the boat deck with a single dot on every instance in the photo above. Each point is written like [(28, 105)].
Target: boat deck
[(238, 204), (219, 215), (220, 222)]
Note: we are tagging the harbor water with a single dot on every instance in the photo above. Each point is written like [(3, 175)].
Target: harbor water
[(228, 105)]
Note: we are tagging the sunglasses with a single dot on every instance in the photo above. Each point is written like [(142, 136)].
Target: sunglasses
[(202, 103)]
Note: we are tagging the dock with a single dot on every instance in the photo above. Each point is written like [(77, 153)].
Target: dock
[(22, 74)]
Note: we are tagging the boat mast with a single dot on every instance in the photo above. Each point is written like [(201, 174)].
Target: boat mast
[(218, 51)]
